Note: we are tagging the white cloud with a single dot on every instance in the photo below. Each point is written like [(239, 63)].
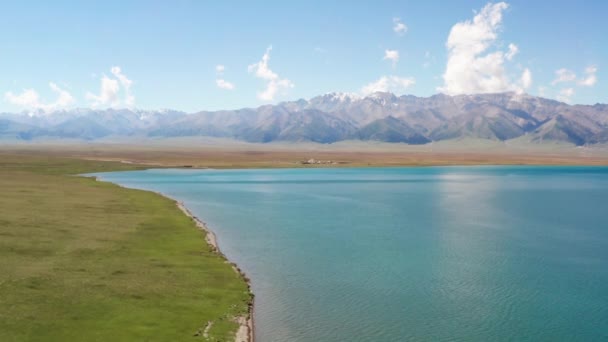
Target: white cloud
[(565, 94), (29, 99), (591, 78), (126, 84), (64, 98), (399, 27), (392, 84), (563, 75), (513, 50), (220, 81), (110, 90), (274, 84), (526, 79), (223, 84), (471, 69), (391, 55), (108, 94)]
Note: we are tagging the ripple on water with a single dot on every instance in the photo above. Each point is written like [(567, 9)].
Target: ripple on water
[(441, 254)]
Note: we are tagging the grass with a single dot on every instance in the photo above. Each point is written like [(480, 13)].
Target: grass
[(90, 261)]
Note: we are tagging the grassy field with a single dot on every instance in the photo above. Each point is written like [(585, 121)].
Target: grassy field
[(82, 260), (90, 261)]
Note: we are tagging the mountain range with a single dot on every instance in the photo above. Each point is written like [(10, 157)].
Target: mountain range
[(334, 117)]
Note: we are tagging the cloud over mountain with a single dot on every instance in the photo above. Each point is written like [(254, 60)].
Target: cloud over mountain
[(30, 100), (473, 67), (380, 116), (393, 84), (274, 83), (109, 92)]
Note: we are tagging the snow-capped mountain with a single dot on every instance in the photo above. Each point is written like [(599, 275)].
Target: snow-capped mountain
[(334, 117)]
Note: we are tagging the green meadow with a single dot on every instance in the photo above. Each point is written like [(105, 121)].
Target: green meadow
[(82, 260)]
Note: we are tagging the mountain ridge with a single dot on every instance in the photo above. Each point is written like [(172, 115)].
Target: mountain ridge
[(333, 117)]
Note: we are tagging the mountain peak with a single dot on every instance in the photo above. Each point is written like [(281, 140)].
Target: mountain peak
[(337, 116), (341, 96)]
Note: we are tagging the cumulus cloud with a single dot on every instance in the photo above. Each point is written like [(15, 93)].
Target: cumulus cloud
[(220, 69), (591, 79), (565, 94), (391, 55), (399, 27), (274, 83), (223, 84), (471, 68), (563, 75), (394, 84), (30, 100), (109, 93)]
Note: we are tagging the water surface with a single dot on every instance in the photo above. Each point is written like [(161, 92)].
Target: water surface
[(379, 254)]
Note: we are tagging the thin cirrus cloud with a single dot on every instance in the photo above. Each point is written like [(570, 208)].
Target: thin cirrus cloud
[(428, 59), (274, 83), (109, 93), (473, 67), (29, 99)]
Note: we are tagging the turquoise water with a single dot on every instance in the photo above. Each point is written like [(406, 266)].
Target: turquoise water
[(379, 254)]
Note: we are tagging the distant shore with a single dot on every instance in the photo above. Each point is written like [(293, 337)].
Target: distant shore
[(215, 154)]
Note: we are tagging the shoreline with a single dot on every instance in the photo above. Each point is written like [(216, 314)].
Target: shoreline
[(245, 331)]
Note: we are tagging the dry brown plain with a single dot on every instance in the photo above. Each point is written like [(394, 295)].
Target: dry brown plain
[(214, 154)]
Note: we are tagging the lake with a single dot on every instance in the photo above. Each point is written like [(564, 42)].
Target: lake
[(395, 254)]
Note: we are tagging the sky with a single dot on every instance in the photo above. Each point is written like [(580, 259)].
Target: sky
[(211, 55)]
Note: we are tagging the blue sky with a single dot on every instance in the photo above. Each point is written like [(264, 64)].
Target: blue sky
[(165, 54)]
